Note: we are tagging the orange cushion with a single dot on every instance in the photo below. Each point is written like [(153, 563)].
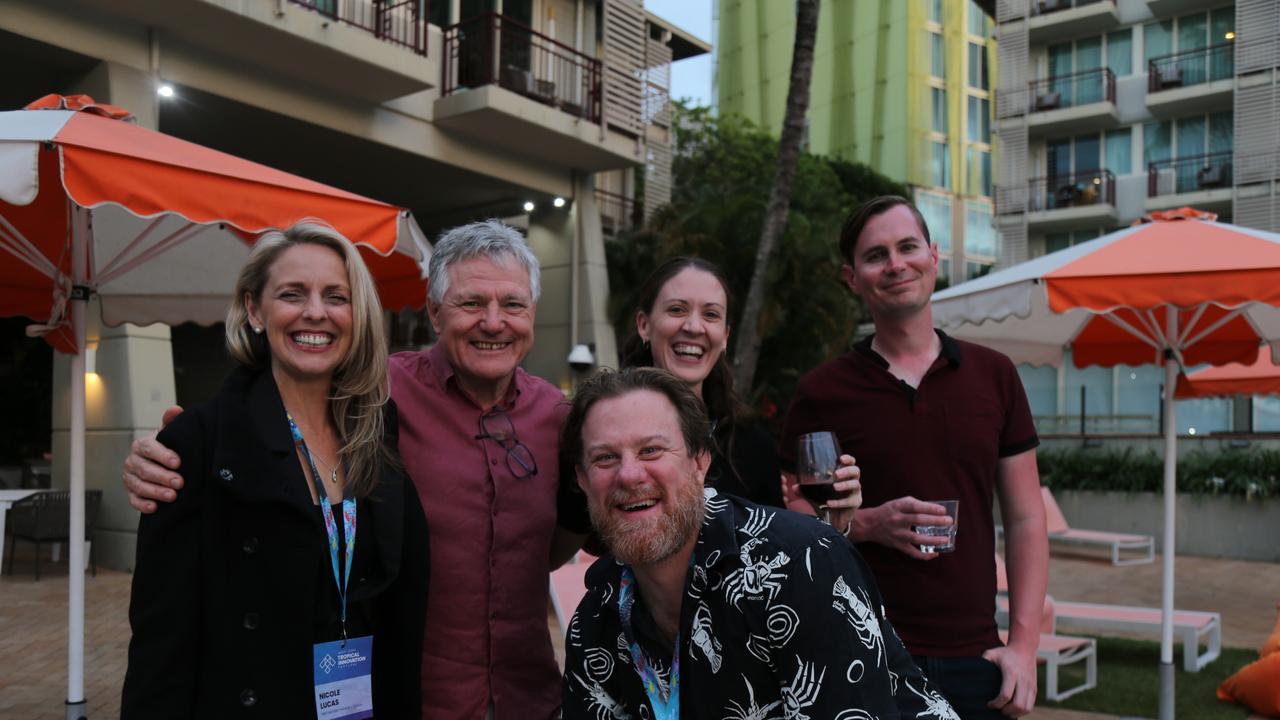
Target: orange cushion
[(1256, 686), (1273, 643)]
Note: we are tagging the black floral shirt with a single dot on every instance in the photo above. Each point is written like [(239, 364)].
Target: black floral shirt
[(781, 619)]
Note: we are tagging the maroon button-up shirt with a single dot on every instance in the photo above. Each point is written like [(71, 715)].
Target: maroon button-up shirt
[(486, 639)]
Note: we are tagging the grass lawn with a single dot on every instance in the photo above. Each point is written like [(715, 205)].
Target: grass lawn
[(1129, 682)]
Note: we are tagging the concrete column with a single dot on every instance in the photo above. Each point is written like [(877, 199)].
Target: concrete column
[(552, 232), (134, 381)]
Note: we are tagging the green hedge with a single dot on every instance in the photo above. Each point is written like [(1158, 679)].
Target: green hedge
[(1249, 473)]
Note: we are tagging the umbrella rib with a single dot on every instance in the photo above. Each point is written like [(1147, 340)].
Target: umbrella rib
[(1124, 325), (1154, 326), (171, 241), (20, 247), (1215, 325), (1186, 330), (146, 232)]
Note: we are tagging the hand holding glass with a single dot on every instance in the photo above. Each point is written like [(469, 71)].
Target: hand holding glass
[(948, 531), (817, 457)]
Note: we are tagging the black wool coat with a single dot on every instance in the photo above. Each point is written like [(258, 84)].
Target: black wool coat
[(234, 584)]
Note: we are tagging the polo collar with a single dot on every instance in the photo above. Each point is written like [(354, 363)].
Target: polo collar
[(442, 369), (950, 350)]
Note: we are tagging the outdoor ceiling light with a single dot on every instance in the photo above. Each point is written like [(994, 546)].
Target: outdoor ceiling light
[(528, 206), (558, 202), (1230, 35), (165, 91)]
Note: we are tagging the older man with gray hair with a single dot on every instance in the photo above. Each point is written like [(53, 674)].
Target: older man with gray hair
[(478, 436)]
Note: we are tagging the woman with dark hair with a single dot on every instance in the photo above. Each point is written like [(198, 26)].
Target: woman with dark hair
[(287, 579), (682, 326)]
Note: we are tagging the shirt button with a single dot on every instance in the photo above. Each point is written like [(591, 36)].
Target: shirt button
[(251, 621), (250, 545), (248, 698)]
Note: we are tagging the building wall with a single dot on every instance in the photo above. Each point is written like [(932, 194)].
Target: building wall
[(872, 98)]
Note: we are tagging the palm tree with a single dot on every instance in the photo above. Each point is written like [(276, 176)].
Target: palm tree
[(747, 350)]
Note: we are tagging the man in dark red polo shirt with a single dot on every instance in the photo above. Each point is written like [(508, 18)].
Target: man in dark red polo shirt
[(932, 418)]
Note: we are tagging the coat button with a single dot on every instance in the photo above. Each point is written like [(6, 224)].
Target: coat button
[(225, 474), (248, 698), (250, 545), (251, 621)]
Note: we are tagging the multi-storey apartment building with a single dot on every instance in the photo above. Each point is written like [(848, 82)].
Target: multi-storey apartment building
[(905, 87), (455, 109), (1110, 109)]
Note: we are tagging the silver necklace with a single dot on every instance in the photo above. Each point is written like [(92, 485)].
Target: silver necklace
[(333, 469)]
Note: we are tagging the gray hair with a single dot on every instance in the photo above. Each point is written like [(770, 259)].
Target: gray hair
[(491, 239)]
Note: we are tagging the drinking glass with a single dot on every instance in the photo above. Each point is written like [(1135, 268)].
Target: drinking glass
[(947, 531), (817, 457)]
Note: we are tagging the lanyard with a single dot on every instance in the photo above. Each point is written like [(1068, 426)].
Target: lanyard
[(331, 526), (663, 708)]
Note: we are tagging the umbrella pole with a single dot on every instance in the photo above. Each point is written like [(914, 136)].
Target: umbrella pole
[(75, 704), (1166, 706)]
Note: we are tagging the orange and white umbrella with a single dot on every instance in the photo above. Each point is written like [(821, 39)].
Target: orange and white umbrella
[(164, 224), (1178, 292), (1261, 377), (157, 229)]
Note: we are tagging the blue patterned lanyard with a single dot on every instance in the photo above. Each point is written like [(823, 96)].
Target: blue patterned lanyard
[(667, 708), (331, 526)]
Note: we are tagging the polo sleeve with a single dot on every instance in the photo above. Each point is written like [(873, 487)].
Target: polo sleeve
[(1019, 432)]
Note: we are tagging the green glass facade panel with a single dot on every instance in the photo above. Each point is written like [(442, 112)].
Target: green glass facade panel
[(1119, 151), (1221, 132), (1157, 39), (1157, 141), (979, 234), (936, 211), (1222, 24)]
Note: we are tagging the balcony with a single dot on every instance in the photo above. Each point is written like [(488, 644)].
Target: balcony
[(370, 50), (1076, 200), (399, 22), (618, 213), (521, 90), (1079, 102), (1063, 19), (1196, 80), (1201, 181)]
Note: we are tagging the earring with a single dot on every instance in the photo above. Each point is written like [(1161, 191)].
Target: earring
[(646, 343), (256, 330)]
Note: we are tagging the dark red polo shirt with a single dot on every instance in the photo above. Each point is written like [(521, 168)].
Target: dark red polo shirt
[(941, 441)]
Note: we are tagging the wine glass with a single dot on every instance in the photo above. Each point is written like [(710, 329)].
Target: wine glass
[(817, 457)]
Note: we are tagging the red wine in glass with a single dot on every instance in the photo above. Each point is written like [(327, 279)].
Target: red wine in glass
[(817, 457)]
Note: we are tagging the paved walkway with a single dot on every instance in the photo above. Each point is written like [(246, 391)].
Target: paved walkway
[(33, 617)]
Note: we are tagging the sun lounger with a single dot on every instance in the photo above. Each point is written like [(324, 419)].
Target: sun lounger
[(1060, 531), (1192, 627), (1053, 651), (1056, 651), (568, 586)]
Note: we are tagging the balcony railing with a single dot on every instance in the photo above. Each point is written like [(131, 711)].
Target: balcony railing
[(494, 49), (1189, 174), (1081, 189), (618, 213), (1064, 91), (400, 22), (1191, 67), (1044, 7)]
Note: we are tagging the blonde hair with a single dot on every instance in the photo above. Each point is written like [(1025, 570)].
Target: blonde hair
[(360, 387)]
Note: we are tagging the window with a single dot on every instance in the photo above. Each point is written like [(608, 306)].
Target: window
[(1184, 35), (1119, 151), (1188, 137), (979, 234), (979, 120), (936, 211), (1053, 242), (978, 66), (976, 269), (977, 20), (938, 55), (1120, 52), (934, 8), (939, 110), (978, 171), (941, 166)]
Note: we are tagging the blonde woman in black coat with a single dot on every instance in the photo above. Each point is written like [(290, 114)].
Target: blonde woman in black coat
[(297, 536)]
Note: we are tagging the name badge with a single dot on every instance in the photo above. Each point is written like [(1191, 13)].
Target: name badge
[(344, 679)]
